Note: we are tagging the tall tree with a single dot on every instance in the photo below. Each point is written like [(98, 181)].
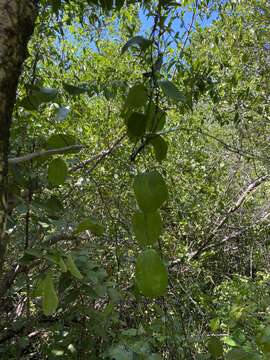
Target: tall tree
[(17, 19)]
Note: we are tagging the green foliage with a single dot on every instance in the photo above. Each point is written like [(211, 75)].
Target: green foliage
[(137, 96), (160, 147), (147, 227), (195, 282), (49, 296), (150, 190), (215, 347), (57, 172), (171, 91), (139, 41), (58, 141), (151, 274), (136, 124), (90, 224), (72, 268)]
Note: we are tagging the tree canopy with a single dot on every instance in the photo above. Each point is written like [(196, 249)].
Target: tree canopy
[(134, 179)]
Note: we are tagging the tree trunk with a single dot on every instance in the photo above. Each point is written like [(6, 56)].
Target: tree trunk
[(17, 19)]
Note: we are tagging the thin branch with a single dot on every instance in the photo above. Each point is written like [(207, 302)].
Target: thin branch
[(233, 148), (99, 157), (40, 154), (250, 188), (9, 277)]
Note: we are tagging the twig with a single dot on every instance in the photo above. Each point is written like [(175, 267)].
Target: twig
[(40, 154), (250, 188), (99, 157)]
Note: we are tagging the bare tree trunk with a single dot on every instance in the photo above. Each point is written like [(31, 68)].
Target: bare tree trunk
[(17, 19)]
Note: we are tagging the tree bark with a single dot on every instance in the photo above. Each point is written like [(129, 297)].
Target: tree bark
[(17, 18)]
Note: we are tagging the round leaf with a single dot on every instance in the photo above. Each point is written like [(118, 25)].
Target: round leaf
[(151, 274), (160, 147), (137, 96), (150, 190), (136, 125), (147, 227), (57, 172)]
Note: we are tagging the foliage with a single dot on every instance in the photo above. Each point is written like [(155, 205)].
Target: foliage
[(140, 227)]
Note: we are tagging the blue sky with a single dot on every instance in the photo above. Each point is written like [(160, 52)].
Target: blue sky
[(147, 22)]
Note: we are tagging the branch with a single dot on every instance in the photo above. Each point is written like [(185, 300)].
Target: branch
[(40, 154), (99, 157), (9, 277), (250, 188)]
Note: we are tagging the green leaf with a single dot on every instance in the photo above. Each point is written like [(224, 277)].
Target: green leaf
[(137, 96), (154, 357), (136, 123), (38, 288), (72, 268), (160, 147), (150, 190), (239, 354), (75, 90), (138, 41), (50, 298), (171, 91), (147, 227), (215, 347), (53, 206), (34, 252), (57, 141), (214, 324), (156, 118), (37, 96), (57, 172), (151, 274), (263, 339), (58, 260), (90, 224), (119, 352)]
